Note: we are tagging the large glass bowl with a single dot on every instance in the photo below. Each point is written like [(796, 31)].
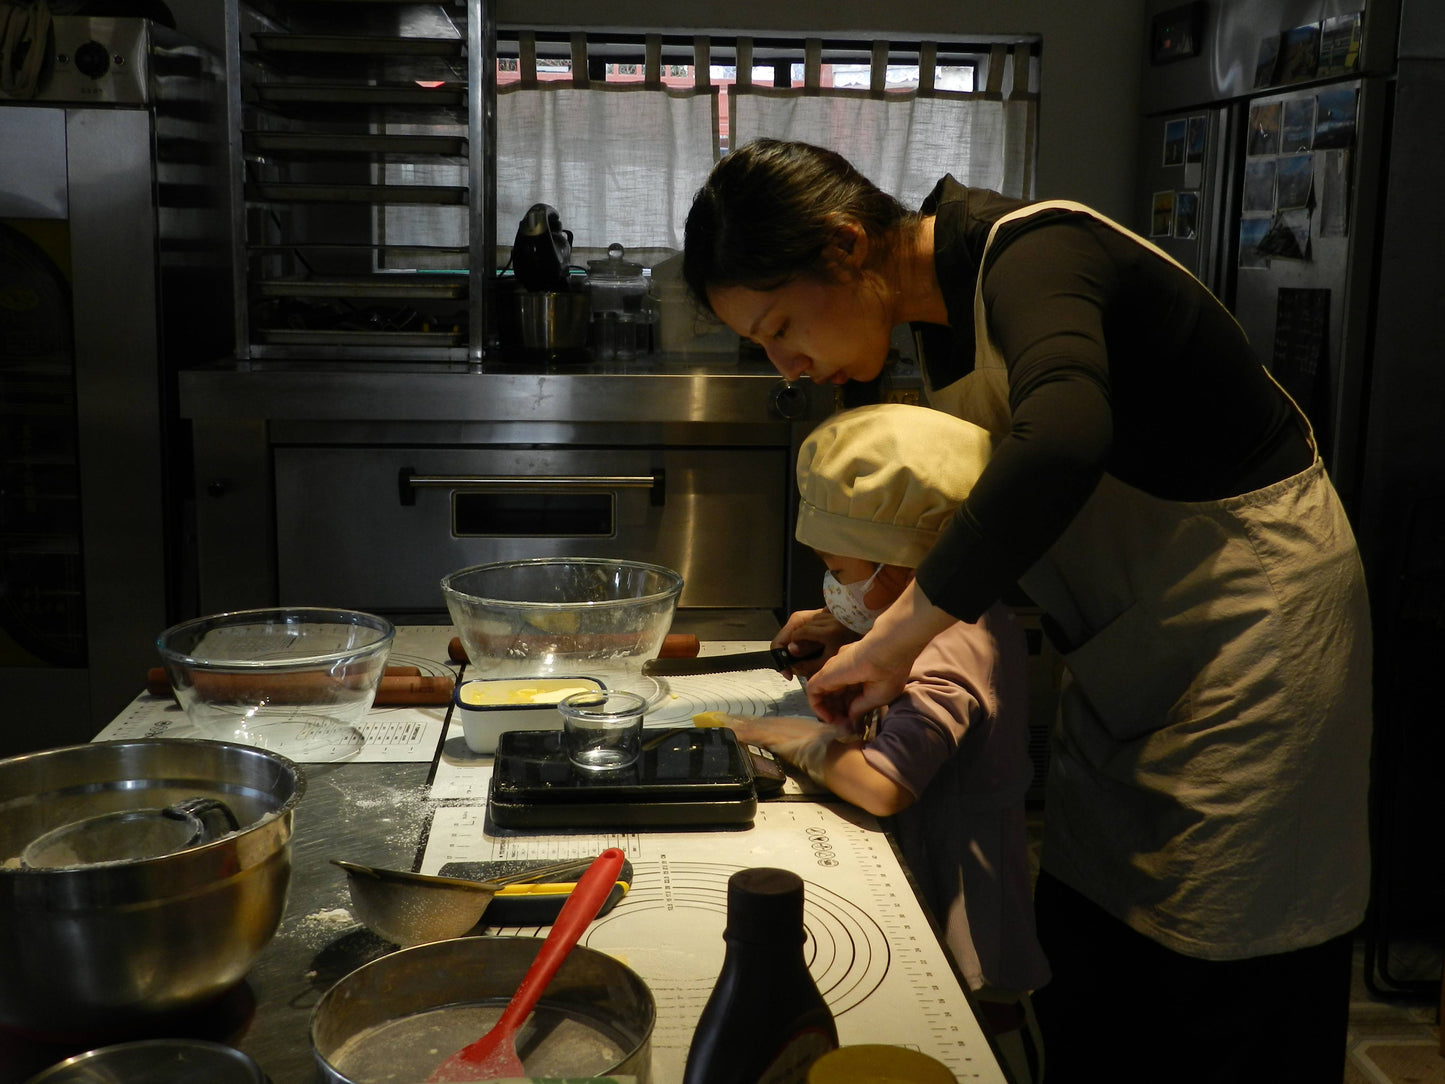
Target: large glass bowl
[(296, 680), (563, 616)]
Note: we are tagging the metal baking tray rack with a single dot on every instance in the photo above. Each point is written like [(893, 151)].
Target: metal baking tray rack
[(353, 179)]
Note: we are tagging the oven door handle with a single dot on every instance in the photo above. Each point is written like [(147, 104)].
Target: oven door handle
[(408, 482)]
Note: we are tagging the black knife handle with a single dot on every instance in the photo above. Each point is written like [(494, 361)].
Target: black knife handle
[(783, 660)]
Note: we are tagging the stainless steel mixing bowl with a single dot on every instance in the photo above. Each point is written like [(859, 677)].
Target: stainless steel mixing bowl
[(91, 950)]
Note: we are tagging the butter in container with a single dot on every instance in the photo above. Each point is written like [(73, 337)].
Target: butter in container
[(488, 707)]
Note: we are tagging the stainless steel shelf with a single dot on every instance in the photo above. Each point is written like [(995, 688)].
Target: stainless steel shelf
[(358, 151)]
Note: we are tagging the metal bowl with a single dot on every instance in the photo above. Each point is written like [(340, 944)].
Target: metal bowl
[(156, 1061), (562, 616), (296, 678), (93, 950), (595, 1018)]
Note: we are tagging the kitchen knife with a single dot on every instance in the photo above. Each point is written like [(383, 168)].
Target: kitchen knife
[(774, 658), (675, 645)]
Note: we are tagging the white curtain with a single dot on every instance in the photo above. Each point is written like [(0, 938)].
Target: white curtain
[(904, 142), (620, 163)]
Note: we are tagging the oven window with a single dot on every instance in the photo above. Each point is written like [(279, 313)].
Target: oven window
[(574, 515)]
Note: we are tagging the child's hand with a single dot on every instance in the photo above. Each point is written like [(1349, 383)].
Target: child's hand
[(799, 741), (808, 629)]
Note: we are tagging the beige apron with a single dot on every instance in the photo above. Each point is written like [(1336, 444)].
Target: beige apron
[(1210, 763)]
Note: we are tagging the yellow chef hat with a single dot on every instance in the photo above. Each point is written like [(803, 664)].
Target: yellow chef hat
[(881, 482)]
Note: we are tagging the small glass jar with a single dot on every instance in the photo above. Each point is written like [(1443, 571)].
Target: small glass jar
[(621, 323), (603, 729)]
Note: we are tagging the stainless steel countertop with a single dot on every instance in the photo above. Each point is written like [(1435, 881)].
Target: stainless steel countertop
[(653, 390)]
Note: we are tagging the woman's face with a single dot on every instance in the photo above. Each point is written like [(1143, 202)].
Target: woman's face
[(830, 332)]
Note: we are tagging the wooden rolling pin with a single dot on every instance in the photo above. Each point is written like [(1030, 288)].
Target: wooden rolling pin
[(399, 685), (675, 645)]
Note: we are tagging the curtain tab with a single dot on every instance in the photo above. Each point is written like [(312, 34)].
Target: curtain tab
[(527, 57), (652, 60), (744, 52), (878, 69), (927, 66), (1023, 72), (813, 64), (701, 63), (997, 59), (579, 60)]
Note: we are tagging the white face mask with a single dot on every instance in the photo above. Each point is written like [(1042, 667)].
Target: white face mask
[(845, 601)]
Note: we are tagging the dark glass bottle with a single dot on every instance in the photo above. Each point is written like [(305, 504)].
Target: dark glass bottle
[(765, 1022)]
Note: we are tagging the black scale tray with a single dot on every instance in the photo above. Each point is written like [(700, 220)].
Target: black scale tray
[(687, 778)]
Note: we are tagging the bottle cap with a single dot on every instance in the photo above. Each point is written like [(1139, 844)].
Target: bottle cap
[(878, 1063), (765, 906)]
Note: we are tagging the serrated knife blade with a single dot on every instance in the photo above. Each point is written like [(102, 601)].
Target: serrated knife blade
[(774, 658)]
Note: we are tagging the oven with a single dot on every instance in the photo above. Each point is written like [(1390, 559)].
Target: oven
[(365, 491)]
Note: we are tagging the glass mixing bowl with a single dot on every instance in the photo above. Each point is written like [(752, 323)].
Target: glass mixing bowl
[(565, 617), (296, 680)]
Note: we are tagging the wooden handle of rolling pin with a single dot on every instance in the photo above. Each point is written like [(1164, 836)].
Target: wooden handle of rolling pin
[(398, 685), (675, 645)]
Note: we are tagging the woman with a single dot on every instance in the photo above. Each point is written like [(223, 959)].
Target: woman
[(1205, 855)]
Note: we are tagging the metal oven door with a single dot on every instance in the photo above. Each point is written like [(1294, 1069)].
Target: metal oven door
[(377, 527)]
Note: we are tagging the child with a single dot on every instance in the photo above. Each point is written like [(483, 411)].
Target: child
[(948, 760)]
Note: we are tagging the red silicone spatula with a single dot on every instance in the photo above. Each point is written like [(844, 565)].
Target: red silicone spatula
[(495, 1053)]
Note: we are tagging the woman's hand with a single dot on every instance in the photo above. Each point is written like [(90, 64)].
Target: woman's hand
[(872, 672), (808, 629)]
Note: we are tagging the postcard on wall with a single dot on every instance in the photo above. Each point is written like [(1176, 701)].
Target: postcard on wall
[(1268, 61), (1161, 219), (1196, 129), (1174, 136), (1264, 122), (1294, 180), (1299, 53), (1186, 215), (1340, 44), (1288, 237), (1251, 233), (1195, 138), (1297, 126), (1258, 194), (1335, 111), (1334, 170)]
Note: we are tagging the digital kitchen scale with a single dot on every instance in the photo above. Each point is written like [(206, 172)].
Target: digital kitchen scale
[(684, 777)]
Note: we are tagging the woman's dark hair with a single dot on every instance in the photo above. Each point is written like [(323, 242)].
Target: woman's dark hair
[(769, 210)]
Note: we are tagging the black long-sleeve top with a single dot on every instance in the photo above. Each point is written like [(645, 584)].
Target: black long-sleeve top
[(1118, 362)]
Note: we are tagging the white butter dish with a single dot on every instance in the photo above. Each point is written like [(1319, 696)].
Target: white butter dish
[(489, 707)]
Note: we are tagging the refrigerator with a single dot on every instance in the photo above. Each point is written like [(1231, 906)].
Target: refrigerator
[(114, 265), (1288, 157)]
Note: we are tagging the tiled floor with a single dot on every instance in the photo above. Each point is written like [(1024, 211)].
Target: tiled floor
[(1396, 1041)]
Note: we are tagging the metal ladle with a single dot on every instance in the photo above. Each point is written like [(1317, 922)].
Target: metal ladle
[(415, 908)]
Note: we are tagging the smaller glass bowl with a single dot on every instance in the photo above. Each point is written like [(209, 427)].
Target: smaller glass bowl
[(294, 680)]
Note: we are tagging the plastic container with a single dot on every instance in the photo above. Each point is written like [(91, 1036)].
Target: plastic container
[(489, 707), (878, 1063)]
